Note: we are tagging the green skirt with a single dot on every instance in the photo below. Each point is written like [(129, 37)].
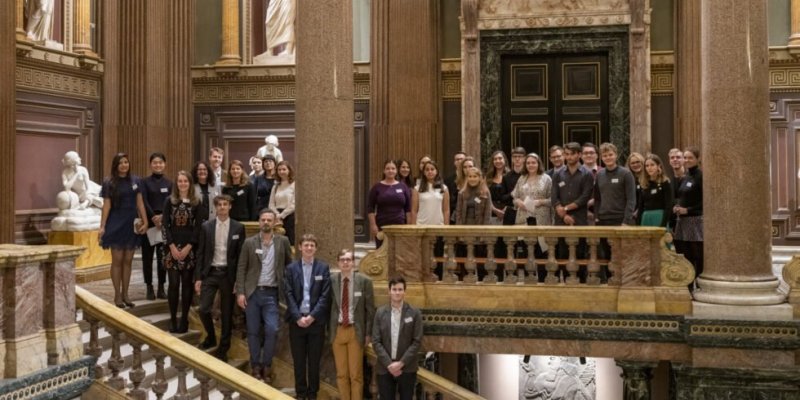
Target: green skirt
[(652, 217)]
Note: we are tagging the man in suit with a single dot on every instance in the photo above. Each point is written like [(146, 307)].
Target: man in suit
[(352, 310), (307, 283), (396, 337), (258, 279), (219, 245)]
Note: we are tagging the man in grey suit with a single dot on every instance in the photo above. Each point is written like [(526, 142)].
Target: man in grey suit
[(396, 338), (352, 310), (219, 245), (258, 280)]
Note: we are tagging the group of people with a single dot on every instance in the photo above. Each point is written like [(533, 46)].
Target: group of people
[(575, 191), (204, 251)]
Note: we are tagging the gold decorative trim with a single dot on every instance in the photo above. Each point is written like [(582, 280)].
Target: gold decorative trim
[(784, 77), (57, 82), (555, 322), (555, 21), (738, 331), (47, 386), (244, 92)]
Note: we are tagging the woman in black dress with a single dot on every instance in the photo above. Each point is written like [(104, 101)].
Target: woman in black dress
[(264, 182), (181, 227), (242, 192), (122, 223), (494, 179), (689, 209)]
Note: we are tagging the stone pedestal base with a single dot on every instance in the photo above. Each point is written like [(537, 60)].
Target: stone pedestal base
[(738, 293), (24, 355), (706, 383), (64, 344), (778, 312), (93, 256)]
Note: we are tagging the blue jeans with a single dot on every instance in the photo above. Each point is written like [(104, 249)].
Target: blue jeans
[(262, 310)]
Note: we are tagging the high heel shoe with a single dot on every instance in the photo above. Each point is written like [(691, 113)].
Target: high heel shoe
[(128, 303), (120, 305)]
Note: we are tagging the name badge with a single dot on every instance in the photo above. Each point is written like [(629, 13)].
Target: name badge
[(357, 294), (318, 277), (239, 193), (234, 237), (259, 251), (409, 319), (688, 184), (653, 191), (135, 186), (615, 180), (477, 201), (561, 184), (185, 201), (164, 190), (399, 190)]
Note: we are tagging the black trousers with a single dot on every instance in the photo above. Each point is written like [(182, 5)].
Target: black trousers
[(306, 344), (147, 262), (604, 249), (389, 386), (181, 284), (217, 281)]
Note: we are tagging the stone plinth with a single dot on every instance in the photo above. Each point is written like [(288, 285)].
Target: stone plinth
[(38, 317), (93, 256)]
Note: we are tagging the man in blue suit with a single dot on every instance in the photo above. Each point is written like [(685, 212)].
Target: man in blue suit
[(307, 285)]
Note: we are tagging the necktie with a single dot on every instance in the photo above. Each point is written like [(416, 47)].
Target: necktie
[(346, 302)]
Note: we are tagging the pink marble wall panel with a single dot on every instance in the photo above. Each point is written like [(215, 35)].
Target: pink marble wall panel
[(22, 292), (59, 299), (633, 255), (405, 257)]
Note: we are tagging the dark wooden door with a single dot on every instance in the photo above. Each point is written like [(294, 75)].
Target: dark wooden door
[(554, 99)]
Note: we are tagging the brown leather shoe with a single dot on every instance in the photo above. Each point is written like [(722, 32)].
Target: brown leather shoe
[(255, 371), (266, 375)]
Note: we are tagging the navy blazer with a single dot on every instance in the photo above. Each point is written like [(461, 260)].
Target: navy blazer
[(205, 248), (320, 291)]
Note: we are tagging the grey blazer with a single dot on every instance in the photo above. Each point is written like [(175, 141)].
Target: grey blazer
[(363, 310), (249, 268), (408, 341)]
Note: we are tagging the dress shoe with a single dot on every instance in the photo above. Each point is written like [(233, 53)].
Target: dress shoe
[(183, 326), (266, 375), (255, 371), (161, 294), (173, 326), (208, 343), (151, 294)]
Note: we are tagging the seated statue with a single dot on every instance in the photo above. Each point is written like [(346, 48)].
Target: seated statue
[(80, 203), (270, 148)]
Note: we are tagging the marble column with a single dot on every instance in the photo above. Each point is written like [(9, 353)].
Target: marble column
[(640, 108), (83, 30), (688, 107), (735, 157), (324, 124), (636, 377), (19, 13), (8, 123), (404, 82), (230, 34), (794, 38), (470, 79), (111, 81)]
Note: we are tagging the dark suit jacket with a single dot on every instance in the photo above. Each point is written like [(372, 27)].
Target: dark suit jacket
[(205, 249), (249, 268), (363, 309), (408, 341), (320, 290)]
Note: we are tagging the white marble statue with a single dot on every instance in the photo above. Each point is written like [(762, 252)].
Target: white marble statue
[(279, 29), (270, 148), (80, 203)]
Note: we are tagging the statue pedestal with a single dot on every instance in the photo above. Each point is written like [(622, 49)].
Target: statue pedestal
[(94, 262)]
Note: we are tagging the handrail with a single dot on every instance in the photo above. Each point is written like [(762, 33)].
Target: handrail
[(139, 330), (448, 388)]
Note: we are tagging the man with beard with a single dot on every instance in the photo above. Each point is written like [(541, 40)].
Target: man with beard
[(258, 285)]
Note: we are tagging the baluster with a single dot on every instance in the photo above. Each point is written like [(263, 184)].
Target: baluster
[(432, 247), (183, 392), (509, 273), (552, 264), (491, 264), (204, 385), (450, 266), (572, 263), (593, 267), (530, 264), (116, 362), (227, 393), (613, 264), (137, 373), (94, 350), (159, 386), (470, 276)]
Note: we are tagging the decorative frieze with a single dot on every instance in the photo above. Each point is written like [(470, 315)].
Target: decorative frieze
[(500, 14), (57, 82)]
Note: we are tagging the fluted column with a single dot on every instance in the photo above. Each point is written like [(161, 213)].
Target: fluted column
[(324, 122), (230, 34), (470, 78), (83, 28), (640, 109), (19, 13), (180, 109), (688, 107), (794, 38), (735, 146), (8, 123), (404, 103), (111, 82)]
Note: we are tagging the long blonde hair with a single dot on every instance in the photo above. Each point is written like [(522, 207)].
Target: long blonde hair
[(461, 177)]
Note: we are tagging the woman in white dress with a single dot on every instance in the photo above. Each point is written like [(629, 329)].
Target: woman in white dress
[(532, 200)]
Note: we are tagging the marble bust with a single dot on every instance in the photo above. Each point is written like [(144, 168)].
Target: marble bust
[(271, 148), (80, 203)]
